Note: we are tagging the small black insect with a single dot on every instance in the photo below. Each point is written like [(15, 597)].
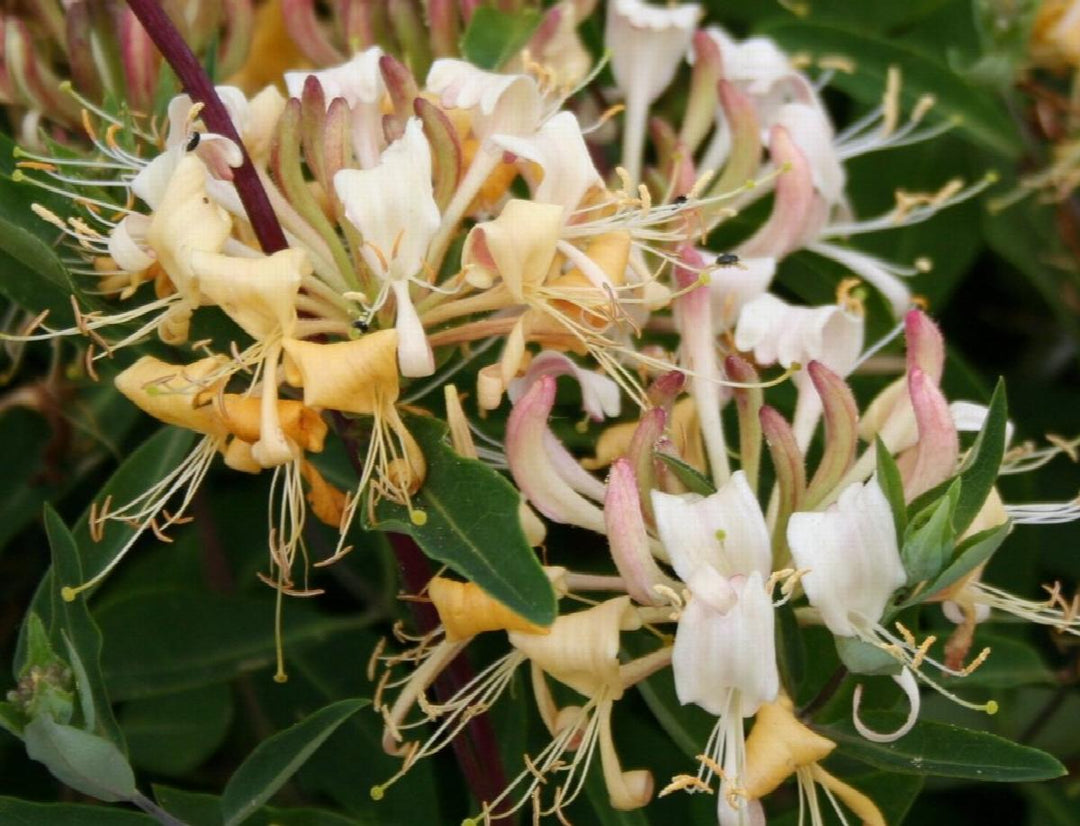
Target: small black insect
[(361, 325), (727, 259), (680, 200), (193, 141)]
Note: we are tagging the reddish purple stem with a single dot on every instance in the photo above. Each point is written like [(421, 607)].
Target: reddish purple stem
[(197, 84)]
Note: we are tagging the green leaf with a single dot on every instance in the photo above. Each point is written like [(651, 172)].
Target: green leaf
[(73, 625), (980, 114), (980, 470), (945, 751), (14, 812), (86, 762), (970, 554), (194, 808), (169, 640), (888, 478), (930, 537), (151, 462), (12, 720), (34, 277), (472, 525), (175, 733), (277, 758), (1052, 805), (494, 36), (695, 480)]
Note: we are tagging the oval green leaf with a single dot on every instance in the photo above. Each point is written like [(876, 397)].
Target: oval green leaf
[(276, 759), (944, 750), (85, 762), (472, 525)]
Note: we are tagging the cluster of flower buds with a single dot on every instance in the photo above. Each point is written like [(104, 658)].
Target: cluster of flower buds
[(434, 212), (58, 57)]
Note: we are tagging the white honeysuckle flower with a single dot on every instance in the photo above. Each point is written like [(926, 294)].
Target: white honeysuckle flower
[(600, 396), (853, 567), (778, 332), (731, 287), (360, 82), (647, 45), (393, 206), (559, 149), (851, 553), (505, 105), (759, 68), (150, 182), (724, 531), (725, 642), (811, 130), (498, 103)]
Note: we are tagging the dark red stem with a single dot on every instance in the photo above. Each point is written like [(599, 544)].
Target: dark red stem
[(197, 84)]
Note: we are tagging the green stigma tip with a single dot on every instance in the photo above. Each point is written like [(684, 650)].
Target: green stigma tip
[(68, 594), (65, 86), (18, 175), (992, 176), (992, 708), (418, 518), (377, 793), (469, 822)]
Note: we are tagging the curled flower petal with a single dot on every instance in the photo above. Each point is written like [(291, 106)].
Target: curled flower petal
[(560, 151), (581, 649), (504, 104), (600, 395), (906, 680), (351, 376)]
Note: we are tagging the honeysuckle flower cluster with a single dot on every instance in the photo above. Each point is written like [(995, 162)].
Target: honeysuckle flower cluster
[(459, 222)]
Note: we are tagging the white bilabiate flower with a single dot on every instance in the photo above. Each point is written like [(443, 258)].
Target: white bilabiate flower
[(393, 206), (777, 332), (647, 44), (150, 183), (852, 562), (360, 83), (497, 104), (852, 556), (599, 394), (724, 658), (559, 149)]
